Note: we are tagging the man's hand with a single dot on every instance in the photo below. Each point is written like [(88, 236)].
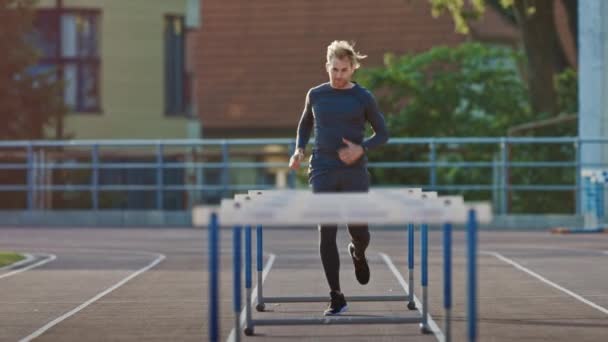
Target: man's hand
[(351, 153), (294, 161)]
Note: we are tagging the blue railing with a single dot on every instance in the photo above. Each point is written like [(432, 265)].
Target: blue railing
[(172, 174)]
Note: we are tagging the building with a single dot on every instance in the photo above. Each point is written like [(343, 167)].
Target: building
[(123, 64), (126, 76)]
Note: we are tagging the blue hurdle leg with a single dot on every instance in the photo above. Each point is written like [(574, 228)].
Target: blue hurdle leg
[(236, 246), (447, 280), (472, 276), (249, 326), (424, 239), (214, 250), (410, 266), (260, 267)]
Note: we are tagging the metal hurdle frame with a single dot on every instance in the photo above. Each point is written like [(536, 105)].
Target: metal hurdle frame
[(422, 320), (261, 300)]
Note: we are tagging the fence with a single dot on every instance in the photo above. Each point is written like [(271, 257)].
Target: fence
[(517, 174)]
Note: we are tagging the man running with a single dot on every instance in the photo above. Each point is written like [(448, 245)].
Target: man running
[(338, 111)]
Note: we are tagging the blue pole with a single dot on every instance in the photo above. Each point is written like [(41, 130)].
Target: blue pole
[(291, 176), (214, 261), (447, 280), (433, 161), (410, 266), (159, 177), (247, 258), (95, 177), (447, 266), (236, 253), (260, 266), (577, 177), (30, 177), (472, 276), (260, 249), (225, 169), (424, 239), (410, 246), (504, 176)]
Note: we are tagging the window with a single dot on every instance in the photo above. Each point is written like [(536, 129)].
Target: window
[(176, 80), (68, 41)]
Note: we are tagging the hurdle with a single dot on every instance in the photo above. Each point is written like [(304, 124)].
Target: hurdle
[(261, 300), (384, 207)]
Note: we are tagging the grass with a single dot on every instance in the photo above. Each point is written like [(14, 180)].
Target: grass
[(7, 258)]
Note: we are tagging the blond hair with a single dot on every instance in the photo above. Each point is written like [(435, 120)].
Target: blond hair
[(340, 49)]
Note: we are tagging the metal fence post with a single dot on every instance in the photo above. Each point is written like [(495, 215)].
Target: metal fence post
[(577, 177), (159, 177), (505, 176), (95, 176), (433, 161), (225, 169), (291, 175), (31, 187)]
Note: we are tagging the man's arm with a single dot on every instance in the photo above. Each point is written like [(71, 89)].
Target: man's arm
[(352, 152), (304, 131), (376, 119)]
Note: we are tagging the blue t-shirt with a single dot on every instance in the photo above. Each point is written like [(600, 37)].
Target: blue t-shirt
[(335, 114)]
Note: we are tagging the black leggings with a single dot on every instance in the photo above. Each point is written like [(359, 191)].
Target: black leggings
[(341, 180)]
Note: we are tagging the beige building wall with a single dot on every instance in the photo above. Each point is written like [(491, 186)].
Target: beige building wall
[(131, 74)]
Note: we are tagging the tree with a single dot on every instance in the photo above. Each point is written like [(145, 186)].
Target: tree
[(535, 19), (29, 100), (468, 90)]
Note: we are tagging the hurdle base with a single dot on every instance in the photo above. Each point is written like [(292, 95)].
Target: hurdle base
[(320, 299), (424, 329), (338, 320)]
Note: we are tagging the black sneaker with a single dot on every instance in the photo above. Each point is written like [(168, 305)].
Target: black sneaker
[(361, 267), (337, 304)]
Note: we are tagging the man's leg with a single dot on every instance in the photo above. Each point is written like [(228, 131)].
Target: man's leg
[(326, 182), (359, 235), (357, 180), (329, 255)]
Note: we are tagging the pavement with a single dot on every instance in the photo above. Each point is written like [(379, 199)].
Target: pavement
[(133, 284)]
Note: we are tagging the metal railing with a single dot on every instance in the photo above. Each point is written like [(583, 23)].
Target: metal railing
[(180, 173)]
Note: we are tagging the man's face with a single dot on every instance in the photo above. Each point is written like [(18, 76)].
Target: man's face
[(340, 72)]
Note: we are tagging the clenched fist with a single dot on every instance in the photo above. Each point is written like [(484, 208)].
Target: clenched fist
[(296, 159), (351, 153)]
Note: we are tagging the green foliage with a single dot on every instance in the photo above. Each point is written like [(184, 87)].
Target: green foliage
[(466, 91), (566, 86), (28, 101)]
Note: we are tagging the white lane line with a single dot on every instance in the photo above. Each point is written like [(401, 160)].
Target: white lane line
[(434, 327), (254, 296), (547, 281), (28, 258), (37, 333), (49, 258)]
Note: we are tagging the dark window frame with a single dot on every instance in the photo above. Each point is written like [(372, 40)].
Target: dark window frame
[(60, 61), (177, 81)]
